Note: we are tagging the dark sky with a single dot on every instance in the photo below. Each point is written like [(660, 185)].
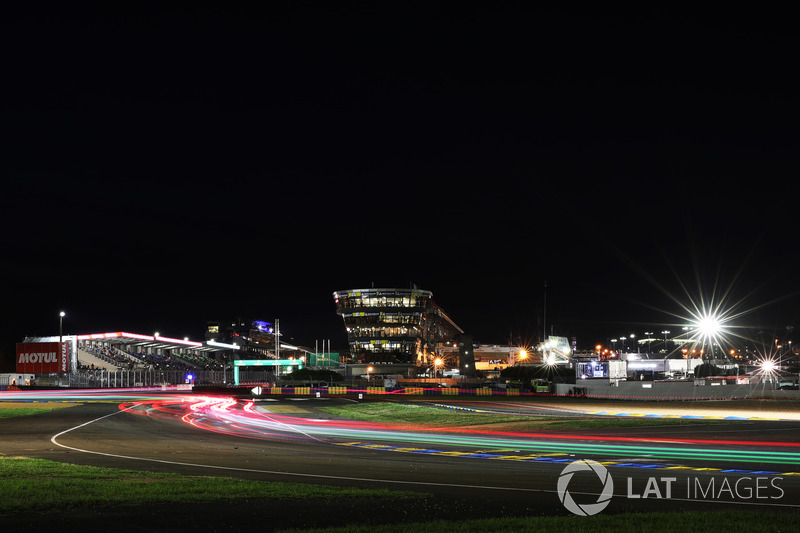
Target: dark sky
[(167, 166)]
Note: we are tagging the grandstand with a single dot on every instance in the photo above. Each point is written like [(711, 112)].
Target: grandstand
[(129, 351), (120, 359), (115, 358), (90, 358)]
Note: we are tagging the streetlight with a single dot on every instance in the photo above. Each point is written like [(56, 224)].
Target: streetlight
[(369, 369), (437, 363), (649, 340), (622, 338), (665, 332), (60, 326), (686, 356)]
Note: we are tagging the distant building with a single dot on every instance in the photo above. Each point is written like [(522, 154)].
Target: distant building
[(556, 351), (254, 339), (492, 358), (398, 326)]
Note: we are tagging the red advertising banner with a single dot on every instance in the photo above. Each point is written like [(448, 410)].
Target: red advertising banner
[(42, 357)]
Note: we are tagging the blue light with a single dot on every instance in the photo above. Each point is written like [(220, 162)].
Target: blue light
[(262, 326)]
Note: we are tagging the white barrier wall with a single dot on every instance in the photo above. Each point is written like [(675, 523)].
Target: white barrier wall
[(671, 390)]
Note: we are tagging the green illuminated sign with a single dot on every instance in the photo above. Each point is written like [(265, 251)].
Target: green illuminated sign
[(263, 362), (268, 362)]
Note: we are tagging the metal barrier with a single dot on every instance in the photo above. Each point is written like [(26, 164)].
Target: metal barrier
[(399, 391), (149, 378)]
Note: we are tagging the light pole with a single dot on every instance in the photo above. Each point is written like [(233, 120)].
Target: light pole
[(437, 364), (649, 341), (686, 356), (60, 330), (665, 332)]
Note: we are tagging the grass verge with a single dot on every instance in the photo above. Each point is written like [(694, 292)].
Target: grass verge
[(751, 522), (424, 415), (15, 409), (42, 486)]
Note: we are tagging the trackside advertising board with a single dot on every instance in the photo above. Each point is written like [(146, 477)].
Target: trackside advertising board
[(42, 357)]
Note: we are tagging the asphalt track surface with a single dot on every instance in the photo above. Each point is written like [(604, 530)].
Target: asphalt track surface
[(466, 479)]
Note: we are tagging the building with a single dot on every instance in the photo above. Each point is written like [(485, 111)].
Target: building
[(490, 359), (253, 339), (394, 326), (556, 350)]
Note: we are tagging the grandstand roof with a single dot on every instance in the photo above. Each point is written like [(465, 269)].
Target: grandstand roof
[(141, 341), (150, 341)]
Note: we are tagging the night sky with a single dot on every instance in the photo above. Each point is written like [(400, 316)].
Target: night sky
[(168, 166)]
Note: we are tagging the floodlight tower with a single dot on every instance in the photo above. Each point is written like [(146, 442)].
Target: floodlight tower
[(277, 339)]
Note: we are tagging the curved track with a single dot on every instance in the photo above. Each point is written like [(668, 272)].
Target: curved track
[(489, 473)]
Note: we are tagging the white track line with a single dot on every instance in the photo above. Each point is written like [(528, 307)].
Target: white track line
[(346, 478)]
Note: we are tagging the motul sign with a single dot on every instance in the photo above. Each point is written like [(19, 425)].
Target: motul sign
[(42, 357)]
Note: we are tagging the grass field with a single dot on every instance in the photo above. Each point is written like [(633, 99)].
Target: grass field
[(414, 415), (677, 522), (15, 409), (38, 485), (35, 486)]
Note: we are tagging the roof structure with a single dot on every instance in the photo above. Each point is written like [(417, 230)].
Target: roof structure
[(140, 341)]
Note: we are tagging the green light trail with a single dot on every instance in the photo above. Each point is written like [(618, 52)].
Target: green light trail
[(664, 452)]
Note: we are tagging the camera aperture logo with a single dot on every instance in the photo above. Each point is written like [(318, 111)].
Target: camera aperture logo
[(586, 509)]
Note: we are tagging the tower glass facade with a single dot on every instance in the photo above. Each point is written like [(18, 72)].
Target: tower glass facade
[(393, 325)]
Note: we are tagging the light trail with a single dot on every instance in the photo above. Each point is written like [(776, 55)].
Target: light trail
[(228, 416), (84, 395), (223, 415)]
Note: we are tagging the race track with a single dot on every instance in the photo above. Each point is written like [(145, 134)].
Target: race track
[(744, 464)]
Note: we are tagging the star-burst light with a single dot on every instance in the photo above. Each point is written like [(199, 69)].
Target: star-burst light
[(709, 328), (768, 366), (709, 298)]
